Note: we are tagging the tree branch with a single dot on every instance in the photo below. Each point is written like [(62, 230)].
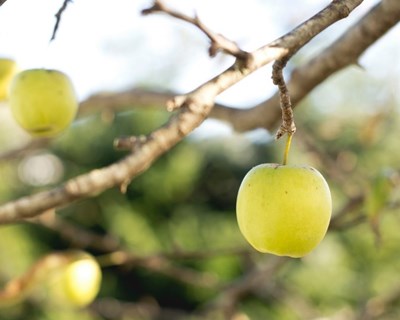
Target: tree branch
[(114, 253), (342, 53), (255, 278), (288, 126), (194, 109), (24, 149), (58, 18), (218, 41)]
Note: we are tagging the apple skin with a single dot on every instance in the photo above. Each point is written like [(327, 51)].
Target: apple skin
[(8, 68), (43, 101), (284, 209), (75, 283)]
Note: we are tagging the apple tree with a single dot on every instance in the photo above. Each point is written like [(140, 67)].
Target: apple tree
[(130, 211)]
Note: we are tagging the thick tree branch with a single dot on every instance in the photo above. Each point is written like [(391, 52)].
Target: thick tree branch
[(193, 107), (343, 52)]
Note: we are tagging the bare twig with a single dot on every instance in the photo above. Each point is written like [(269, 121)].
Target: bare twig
[(130, 98), (288, 125), (349, 215), (343, 52), (218, 41), (147, 308), (18, 288), (117, 254), (84, 238), (252, 280), (79, 237), (25, 149), (161, 265), (377, 307), (194, 109), (58, 18)]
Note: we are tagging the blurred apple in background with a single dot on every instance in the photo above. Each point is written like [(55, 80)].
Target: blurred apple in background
[(8, 68), (75, 283)]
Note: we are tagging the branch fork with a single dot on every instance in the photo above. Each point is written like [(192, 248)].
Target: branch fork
[(219, 43)]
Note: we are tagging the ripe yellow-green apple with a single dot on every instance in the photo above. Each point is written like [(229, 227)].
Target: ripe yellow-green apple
[(284, 209), (72, 282), (8, 68), (43, 101)]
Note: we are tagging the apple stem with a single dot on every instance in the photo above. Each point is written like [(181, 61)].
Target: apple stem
[(287, 148)]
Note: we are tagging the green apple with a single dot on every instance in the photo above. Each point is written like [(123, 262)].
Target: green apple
[(75, 283), (8, 68), (69, 280), (43, 101), (284, 209)]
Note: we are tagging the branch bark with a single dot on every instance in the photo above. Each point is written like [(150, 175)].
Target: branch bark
[(218, 41), (58, 16), (257, 277), (194, 108), (343, 52)]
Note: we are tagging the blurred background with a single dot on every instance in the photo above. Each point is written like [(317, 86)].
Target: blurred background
[(184, 257)]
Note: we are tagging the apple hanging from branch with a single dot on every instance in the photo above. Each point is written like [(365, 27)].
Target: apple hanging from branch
[(284, 209)]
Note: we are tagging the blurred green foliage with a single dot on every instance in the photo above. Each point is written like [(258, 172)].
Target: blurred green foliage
[(185, 204)]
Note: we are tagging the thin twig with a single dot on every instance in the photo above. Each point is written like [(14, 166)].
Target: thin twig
[(116, 254), (24, 149), (79, 237), (378, 306), (58, 18), (288, 126), (161, 265), (340, 54), (146, 308), (218, 41), (252, 280)]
